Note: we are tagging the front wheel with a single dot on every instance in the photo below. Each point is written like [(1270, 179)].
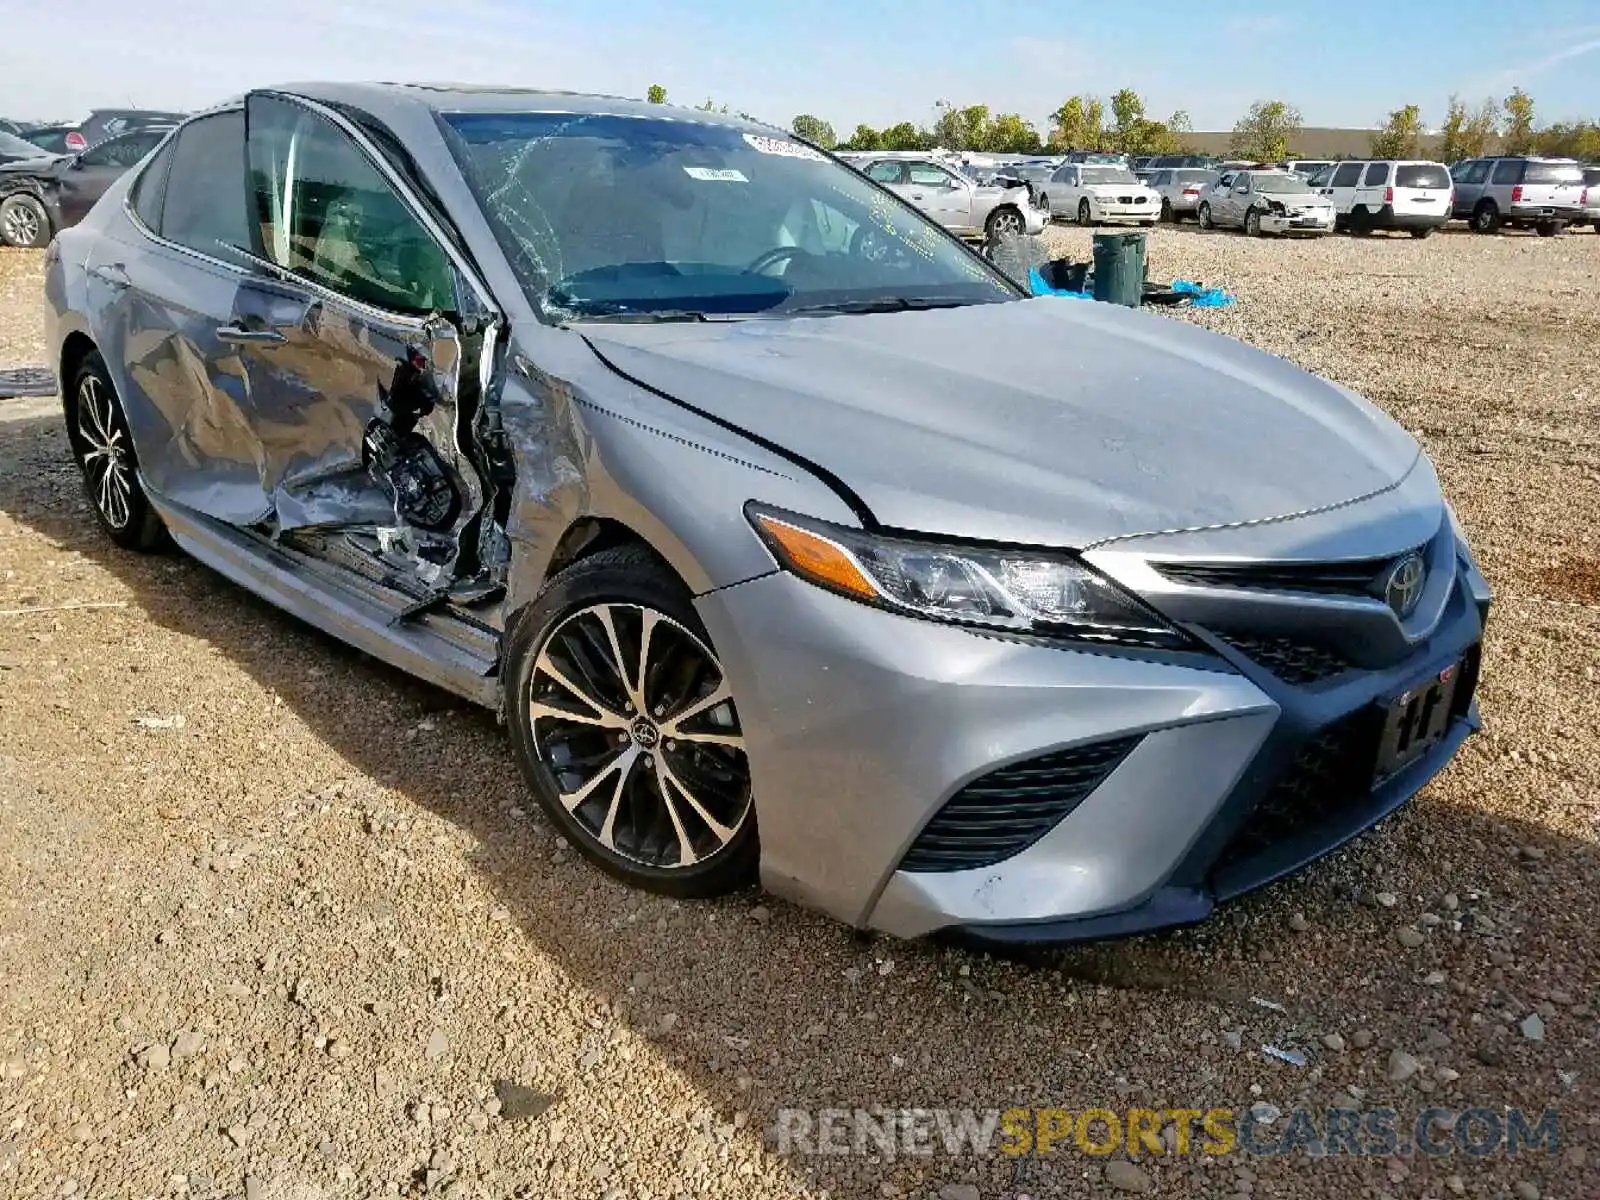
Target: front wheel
[(1004, 223), (1085, 216), (98, 431), (1166, 210), (24, 223), (625, 727), (1204, 217), (1044, 206), (1252, 223)]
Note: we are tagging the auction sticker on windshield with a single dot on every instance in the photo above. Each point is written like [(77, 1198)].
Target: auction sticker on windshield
[(782, 147), (716, 174)]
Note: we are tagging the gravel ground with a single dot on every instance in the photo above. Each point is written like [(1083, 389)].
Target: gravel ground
[(277, 922)]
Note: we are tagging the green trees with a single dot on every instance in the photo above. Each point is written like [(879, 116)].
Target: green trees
[(656, 94), (814, 130), (1263, 134), (1519, 122), (1080, 123), (1401, 135)]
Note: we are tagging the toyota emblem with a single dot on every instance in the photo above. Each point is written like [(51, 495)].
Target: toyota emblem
[(1403, 588)]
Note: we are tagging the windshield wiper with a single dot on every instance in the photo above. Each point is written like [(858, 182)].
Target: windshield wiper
[(641, 316), (880, 305)]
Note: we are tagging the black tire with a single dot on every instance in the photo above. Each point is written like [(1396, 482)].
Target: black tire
[(24, 223), (627, 582), (1486, 217), (1085, 216), (1548, 228), (98, 431), (1044, 206), (1360, 222), (1252, 223), (1425, 232), (1203, 216), (1166, 211)]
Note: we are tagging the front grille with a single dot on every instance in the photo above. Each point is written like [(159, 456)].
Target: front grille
[(1293, 660), (1357, 577), (1006, 811), (1331, 771)]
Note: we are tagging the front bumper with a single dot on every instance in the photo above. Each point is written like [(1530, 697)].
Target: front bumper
[(1035, 220), (1286, 223), (1112, 210), (862, 725)]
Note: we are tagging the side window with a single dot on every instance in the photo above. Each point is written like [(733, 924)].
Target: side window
[(1348, 175), (923, 174), (1322, 178), (1377, 173), (1478, 171), (205, 200), (1241, 185), (1161, 179), (1064, 176), (1507, 170), (149, 189), (1225, 183), (328, 214), (887, 171), (121, 151)]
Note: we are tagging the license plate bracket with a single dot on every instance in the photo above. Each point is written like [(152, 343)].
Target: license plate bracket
[(1416, 721)]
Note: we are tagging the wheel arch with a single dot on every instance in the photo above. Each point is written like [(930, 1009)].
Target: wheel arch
[(75, 347)]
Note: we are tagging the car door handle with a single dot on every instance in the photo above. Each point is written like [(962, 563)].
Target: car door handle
[(916, 195), (235, 336), (113, 273)]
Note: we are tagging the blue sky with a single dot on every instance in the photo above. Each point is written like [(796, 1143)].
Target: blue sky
[(878, 61)]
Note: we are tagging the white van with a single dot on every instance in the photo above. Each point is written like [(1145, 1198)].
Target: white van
[(1369, 194)]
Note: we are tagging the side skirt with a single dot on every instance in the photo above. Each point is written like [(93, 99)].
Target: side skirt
[(447, 653)]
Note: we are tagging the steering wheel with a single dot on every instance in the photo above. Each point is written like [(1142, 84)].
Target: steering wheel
[(872, 244), (771, 258)]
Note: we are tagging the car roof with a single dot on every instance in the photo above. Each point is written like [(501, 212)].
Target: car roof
[(385, 100)]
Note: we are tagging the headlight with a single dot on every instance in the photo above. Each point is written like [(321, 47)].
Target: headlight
[(1027, 591)]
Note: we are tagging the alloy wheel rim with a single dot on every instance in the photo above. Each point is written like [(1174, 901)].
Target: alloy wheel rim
[(1007, 224), (1083, 212), (22, 226), (632, 717), (106, 463)]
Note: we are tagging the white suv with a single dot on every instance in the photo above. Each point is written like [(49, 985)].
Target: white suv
[(1371, 194)]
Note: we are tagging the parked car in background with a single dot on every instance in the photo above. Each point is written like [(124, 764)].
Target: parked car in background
[(1374, 194), (1180, 189), (737, 488), (961, 204), (1306, 168), (1262, 202), (1544, 193), (40, 196), (15, 149), (1091, 193), (1591, 196), (1163, 161), (108, 122), (56, 139)]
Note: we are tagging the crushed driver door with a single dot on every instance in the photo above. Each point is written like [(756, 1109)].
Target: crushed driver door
[(353, 356)]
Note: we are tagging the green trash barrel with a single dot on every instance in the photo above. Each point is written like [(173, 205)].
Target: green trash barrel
[(1119, 267)]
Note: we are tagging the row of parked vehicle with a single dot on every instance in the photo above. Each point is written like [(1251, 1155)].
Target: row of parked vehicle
[(980, 196), (51, 175)]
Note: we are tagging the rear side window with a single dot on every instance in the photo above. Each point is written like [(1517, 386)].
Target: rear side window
[(123, 151), (1421, 175), (1507, 170), (1552, 173), (1376, 173), (150, 188), (885, 172), (1349, 175), (205, 197)]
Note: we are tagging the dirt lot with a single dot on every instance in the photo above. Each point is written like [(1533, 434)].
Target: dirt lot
[(274, 920)]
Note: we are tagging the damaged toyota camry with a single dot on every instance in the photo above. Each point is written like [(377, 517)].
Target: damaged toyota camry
[(788, 537)]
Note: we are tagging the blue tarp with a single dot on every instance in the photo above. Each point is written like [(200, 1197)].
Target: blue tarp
[(1198, 297)]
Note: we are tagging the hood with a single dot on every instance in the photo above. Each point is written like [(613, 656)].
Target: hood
[(1042, 422), (42, 164)]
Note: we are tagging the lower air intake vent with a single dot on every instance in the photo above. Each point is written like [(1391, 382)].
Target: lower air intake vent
[(1006, 811), (1290, 659)]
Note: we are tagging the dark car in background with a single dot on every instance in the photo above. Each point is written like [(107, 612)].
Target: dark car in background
[(55, 139), (41, 195), (16, 149), (103, 123)]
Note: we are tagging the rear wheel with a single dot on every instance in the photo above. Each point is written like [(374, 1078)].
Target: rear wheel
[(1085, 216), (1044, 205), (24, 222), (1204, 216), (625, 727), (1486, 217), (1252, 223), (98, 430), (1166, 210), (1548, 228), (1360, 222)]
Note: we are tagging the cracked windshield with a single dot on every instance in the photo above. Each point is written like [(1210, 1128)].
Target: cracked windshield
[(624, 216)]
